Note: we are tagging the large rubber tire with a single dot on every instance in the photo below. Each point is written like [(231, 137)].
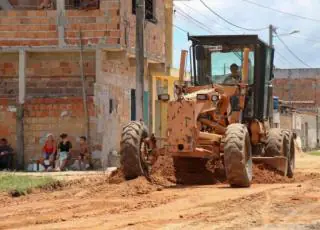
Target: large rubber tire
[(275, 143), (290, 152), (280, 143), (238, 156), (130, 153)]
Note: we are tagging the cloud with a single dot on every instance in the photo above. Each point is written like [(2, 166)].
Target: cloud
[(247, 15)]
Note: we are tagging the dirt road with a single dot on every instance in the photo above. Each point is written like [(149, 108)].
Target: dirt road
[(94, 204)]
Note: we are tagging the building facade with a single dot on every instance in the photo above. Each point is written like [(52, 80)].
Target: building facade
[(300, 87), (299, 94), (41, 55)]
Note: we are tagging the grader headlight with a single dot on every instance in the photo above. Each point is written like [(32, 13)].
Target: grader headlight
[(215, 98), (164, 97), (202, 97)]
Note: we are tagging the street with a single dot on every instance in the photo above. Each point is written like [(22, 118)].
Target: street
[(95, 204)]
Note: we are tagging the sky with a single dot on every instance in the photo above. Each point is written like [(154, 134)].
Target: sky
[(305, 44)]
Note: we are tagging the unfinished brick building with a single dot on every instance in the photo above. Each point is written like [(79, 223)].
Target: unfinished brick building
[(40, 68), (298, 87)]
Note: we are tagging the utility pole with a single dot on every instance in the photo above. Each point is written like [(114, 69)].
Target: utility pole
[(84, 93), (271, 30), (140, 16), (20, 109), (271, 108)]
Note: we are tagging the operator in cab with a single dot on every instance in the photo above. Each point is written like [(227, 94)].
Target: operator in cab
[(233, 78)]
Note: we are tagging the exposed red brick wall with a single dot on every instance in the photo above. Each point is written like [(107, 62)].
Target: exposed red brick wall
[(48, 74), (297, 89), (97, 26), (8, 120), (39, 27), (9, 64), (54, 115), (28, 28), (55, 64), (43, 116), (154, 32)]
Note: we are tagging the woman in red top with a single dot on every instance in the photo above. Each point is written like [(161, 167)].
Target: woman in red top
[(49, 150)]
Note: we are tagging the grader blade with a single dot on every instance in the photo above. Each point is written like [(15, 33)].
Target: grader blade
[(278, 163)]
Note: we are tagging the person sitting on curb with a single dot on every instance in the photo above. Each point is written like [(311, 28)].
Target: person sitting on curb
[(49, 150), (45, 4), (85, 156), (6, 155), (64, 149)]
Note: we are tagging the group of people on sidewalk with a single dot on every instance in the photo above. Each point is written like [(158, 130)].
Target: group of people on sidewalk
[(56, 156)]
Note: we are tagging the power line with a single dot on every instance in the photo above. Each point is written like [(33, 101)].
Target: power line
[(282, 12), (196, 22), (230, 23), (187, 16), (205, 16), (293, 54), (283, 57), (179, 28)]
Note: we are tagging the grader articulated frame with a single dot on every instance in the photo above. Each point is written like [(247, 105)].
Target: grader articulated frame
[(212, 119)]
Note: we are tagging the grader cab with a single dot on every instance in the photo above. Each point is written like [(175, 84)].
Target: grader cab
[(224, 113)]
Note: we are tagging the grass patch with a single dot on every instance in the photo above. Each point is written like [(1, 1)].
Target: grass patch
[(315, 153), (18, 185)]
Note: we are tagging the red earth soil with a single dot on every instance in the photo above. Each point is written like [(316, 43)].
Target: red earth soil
[(203, 172)]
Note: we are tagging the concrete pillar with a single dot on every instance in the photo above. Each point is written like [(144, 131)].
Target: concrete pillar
[(20, 109), (61, 21), (168, 33), (99, 59), (22, 76)]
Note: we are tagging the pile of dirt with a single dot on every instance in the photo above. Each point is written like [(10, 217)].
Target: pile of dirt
[(138, 186), (264, 174), (168, 171), (186, 171), (116, 177)]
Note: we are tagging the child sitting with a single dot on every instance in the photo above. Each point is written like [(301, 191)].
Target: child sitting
[(85, 156)]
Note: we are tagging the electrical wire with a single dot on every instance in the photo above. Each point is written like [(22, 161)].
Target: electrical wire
[(204, 27), (290, 51), (230, 23), (179, 28), (283, 57), (195, 21), (205, 16), (282, 12)]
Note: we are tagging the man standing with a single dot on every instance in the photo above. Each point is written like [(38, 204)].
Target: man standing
[(6, 153), (233, 78)]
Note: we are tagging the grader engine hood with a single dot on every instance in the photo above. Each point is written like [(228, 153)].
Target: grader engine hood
[(182, 126), (184, 116)]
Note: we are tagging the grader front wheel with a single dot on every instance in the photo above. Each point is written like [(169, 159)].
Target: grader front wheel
[(131, 157), (238, 156)]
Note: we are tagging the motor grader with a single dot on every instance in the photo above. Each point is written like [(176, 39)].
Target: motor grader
[(210, 118)]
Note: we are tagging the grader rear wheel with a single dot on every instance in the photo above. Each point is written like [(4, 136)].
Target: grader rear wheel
[(131, 155), (290, 152), (238, 156), (280, 143)]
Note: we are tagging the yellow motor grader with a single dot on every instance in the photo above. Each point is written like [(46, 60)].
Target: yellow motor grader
[(219, 115)]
